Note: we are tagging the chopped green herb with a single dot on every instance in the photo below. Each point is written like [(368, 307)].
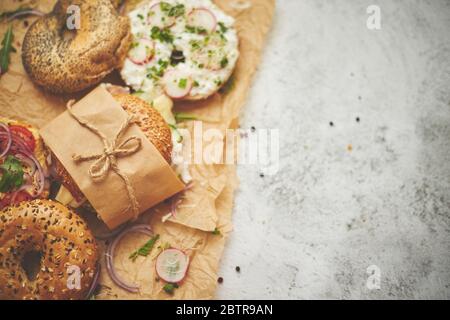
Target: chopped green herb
[(224, 62), (196, 30), (12, 177), (196, 84), (180, 116), (163, 35), (6, 49), (222, 27), (156, 73), (195, 44), (140, 16), (170, 287), (145, 249), (177, 11), (182, 83), (216, 232)]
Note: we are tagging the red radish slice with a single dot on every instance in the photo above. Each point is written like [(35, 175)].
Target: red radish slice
[(202, 18), (143, 52), (158, 18), (177, 86), (172, 265)]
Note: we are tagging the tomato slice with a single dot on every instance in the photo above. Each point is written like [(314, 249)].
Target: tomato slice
[(25, 135)]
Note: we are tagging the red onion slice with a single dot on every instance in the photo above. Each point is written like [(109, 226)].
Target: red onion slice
[(7, 134), (30, 163), (142, 228), (39, 173)]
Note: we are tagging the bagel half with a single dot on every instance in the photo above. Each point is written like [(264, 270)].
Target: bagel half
[(150, 122), (69, 253), (67, 61)]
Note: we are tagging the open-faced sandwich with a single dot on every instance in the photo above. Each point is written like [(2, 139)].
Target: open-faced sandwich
[(23, 163), (186, 49)]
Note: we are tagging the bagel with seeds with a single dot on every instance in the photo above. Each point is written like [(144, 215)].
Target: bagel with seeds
[(68, 252), (149, 121), (67, 61)]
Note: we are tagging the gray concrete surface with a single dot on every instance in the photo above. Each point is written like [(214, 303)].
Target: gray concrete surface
[(312, 230)]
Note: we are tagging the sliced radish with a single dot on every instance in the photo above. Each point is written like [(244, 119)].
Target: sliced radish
[(143, 52), (176, 85), (172, 265), (202, 18), (157, 17)]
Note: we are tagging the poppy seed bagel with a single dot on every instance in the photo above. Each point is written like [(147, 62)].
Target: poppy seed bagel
[(67, 61), (149, 121), (69, 253)]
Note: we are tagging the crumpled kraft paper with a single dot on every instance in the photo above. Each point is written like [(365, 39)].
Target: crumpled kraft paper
[(204, 208), (151, 177)]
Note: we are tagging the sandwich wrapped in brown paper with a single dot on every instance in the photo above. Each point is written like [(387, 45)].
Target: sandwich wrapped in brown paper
[(151, 177), (210, 200)]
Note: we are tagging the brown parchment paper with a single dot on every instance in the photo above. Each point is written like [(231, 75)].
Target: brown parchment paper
[(151, 177), (208, 205)]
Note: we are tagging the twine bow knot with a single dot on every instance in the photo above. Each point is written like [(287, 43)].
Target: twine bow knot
[(107, 160)]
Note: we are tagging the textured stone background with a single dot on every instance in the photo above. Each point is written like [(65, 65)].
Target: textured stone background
[(313, 229)]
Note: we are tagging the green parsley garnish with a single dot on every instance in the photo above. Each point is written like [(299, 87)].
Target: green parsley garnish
[(163, 35), (216, 232), (177, 11), (170, 287), (224, 62), (165, 7), (12, 177), (156, 73), (6, 49), (172, 11), (182, 83), (196, 84), (195, 30), (222, 27), (145, 249), (140, 16)]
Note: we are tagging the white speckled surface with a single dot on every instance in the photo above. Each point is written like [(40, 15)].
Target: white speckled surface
[(311, 230)]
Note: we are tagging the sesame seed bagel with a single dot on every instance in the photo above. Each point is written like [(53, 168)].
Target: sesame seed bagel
[(150, 122), (66, 61), (67, 249)]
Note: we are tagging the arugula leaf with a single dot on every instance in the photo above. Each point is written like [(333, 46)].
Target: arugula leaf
[(6, 50), (145, 249), (170, 287), (180, 116), (12, 177)]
